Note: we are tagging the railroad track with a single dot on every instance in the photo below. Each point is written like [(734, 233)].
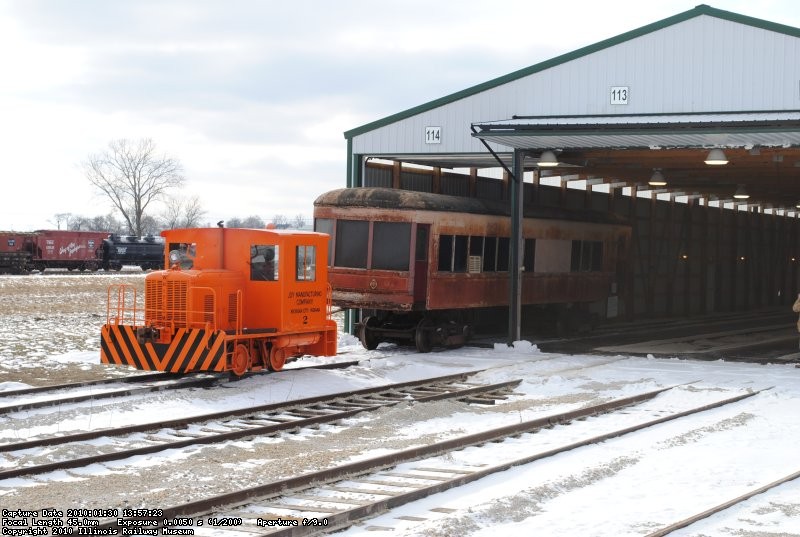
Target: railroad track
[(338, 497), (688, 521), (152, 382), (218, 427)]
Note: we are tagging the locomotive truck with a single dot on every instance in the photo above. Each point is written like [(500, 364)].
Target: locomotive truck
[(234, 300)]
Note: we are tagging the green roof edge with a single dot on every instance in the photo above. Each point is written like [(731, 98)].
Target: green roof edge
[(697, 11)]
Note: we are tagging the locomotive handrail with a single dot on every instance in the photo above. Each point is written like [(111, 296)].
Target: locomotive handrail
[(329, 301), (239, 307), (122, 312), (192, 311)]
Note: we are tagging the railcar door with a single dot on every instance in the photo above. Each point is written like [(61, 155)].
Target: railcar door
[(421, 263)]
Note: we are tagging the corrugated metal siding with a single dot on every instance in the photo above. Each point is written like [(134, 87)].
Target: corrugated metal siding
[(703, 64), (455, 185), (418, 182), (378, 177), (491, 189)]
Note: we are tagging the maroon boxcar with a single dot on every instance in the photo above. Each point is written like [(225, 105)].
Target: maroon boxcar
[(81, 250), (15, 251), (422, 264)]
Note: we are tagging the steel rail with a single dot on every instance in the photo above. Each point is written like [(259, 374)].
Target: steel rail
[(723, 506), (83, 384), (270, 429), (349, 470), (191, 380), (181, 422), (346, 518)]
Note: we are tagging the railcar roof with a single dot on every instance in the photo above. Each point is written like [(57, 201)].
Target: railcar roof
[(407, 200)]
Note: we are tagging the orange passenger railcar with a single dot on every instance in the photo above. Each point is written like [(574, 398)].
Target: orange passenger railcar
[(230, 300)]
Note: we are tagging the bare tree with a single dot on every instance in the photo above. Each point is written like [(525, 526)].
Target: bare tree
[(182, 212), (61, 218), (252, 222), (107, 223), (280, 221), (299, 222), (193, 212), (133, 175), (81, 223)]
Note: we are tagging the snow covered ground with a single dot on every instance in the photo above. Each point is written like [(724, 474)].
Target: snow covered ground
[(631, 485)]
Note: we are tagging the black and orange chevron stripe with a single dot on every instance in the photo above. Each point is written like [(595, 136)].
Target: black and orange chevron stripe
[(192, 349)]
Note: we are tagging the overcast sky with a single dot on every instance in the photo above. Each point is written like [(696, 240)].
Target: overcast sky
[(253, 96)]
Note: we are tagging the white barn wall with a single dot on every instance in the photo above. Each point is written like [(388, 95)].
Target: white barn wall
[(703, 64)]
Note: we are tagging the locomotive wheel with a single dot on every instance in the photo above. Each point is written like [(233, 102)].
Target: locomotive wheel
[(240, 362), (423, 337), (368, 339), (277, 358)]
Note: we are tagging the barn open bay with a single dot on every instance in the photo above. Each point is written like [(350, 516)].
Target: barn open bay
[(630, 485)]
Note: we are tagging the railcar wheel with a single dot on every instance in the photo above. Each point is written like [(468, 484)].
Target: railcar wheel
[(240, 362), (368, 339), (277, 358), (423, 337)]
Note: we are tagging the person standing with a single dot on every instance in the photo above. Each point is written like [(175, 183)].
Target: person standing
[(796, 309)]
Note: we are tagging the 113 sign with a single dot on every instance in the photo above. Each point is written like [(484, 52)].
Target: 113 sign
[(619, 94)]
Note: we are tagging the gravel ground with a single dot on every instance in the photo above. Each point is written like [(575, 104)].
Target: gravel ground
[(46, 316)]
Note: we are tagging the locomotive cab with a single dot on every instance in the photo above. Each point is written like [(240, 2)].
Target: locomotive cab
[(230, 300)]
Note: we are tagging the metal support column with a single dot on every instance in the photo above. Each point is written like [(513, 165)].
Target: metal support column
[(515, 263)]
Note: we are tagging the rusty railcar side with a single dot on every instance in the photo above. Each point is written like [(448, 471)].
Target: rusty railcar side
[(443, 255)]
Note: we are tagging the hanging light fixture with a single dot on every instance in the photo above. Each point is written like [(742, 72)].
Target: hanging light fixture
[(741, 193), (716, 157), (547, 160), (657, 179)]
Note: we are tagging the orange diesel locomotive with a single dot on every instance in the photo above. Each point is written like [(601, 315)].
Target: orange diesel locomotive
[(230, 300)]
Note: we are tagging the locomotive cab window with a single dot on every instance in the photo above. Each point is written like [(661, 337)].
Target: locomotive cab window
[(181, 254), (306, 263), (264, 262)]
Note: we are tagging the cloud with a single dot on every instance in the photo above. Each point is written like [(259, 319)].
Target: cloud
[(253, 97)]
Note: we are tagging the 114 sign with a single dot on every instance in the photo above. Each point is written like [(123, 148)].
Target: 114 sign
[(433, 135)]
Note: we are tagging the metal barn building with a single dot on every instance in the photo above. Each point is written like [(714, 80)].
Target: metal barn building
[(632, 121)]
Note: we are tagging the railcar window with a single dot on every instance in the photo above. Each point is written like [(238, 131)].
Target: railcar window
[(325, 225), (422, 243), (264, 262), (445, 253), (475, 254), (503, 253), (597, 256), (586, 256), (460, 253), (490, 254), (306, 263), (529, 255), (351, 243), (391, 245)]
